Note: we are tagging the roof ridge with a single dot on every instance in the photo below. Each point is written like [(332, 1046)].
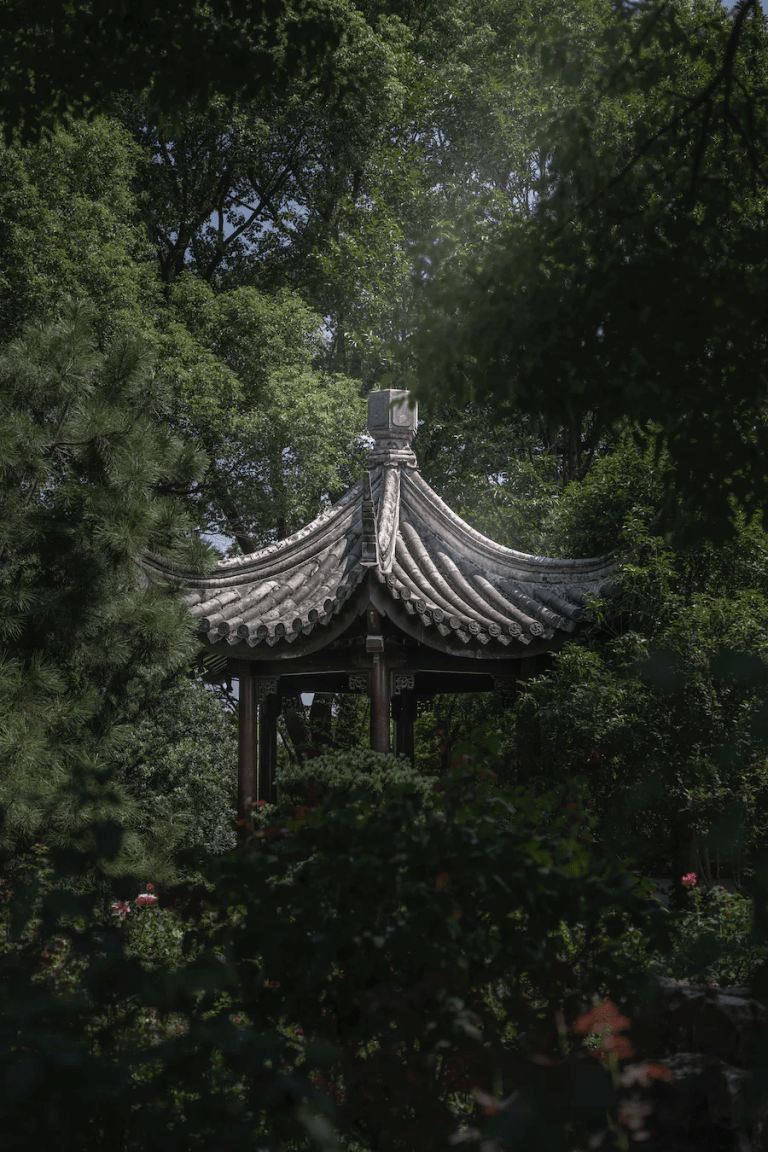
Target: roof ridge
[(417, 486)]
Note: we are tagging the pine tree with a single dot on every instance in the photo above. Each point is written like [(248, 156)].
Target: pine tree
[(87, 482)]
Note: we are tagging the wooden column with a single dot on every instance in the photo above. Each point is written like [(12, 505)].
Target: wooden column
[(246, 750), (406, 714), (380, 689), (379, 704), (268, 747)]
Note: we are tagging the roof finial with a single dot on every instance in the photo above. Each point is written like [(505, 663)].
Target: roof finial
[(393, 423)]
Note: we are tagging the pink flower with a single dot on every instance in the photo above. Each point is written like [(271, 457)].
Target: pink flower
[(689, 880), (150, 887), (144, 899), (121, 908)]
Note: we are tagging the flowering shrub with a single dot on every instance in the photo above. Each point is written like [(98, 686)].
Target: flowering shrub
[(713, 939), (121, 908), (145, 899), (425, 943)]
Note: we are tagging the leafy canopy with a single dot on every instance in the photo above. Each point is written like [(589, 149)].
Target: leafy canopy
[(63, 59), (635, 289)]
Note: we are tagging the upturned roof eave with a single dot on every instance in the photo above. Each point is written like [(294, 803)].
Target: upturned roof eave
[(442, 581)]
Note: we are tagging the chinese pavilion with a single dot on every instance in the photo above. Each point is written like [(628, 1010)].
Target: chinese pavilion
[(389, 594)]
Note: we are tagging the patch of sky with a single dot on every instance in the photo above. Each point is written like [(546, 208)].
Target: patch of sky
[(218, 541)]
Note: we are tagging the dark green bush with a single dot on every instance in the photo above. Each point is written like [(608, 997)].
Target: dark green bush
[(365, 968), (179, 763)]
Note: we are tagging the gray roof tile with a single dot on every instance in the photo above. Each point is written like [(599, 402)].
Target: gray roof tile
[(439, 573)]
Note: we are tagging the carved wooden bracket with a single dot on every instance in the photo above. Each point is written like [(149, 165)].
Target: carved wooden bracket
[(402, 682), (266, 687), (505, 686)]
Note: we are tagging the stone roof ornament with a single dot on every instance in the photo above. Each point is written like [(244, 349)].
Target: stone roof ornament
[(393, 420)]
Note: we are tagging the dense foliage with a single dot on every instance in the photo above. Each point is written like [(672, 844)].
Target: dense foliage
[(635, 287), (660, 703), (82, 457), (361, 968), (179, 763)]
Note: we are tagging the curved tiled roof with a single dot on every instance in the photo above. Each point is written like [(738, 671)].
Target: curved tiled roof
[(438, 579)]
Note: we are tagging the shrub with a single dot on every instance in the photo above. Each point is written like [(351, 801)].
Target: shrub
[(344, 771), (380, 967), (180, 764), (714, 939)]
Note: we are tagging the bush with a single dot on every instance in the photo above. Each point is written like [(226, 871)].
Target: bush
[(180, 765), (344, 771), (380, 967), (714, 940), (432, 946)]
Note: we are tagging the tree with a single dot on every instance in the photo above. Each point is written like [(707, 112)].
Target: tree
[(497, 475), (635, 289), (59, 61), (244, 193), (82, 461), (70, 225), (660, 703), (282, 438), (436, 130)]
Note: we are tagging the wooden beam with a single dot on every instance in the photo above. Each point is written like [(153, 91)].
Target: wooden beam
[(411, 657)]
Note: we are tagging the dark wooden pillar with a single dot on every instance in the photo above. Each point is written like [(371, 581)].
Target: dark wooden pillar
[(268, 747), (380, 704), (406, 714), (246, 751)]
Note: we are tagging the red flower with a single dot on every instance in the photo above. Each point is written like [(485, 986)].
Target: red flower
[(604, 1018), (605, 1021), (658, 1071), (144, 899), (150, 887), (689, 880)]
